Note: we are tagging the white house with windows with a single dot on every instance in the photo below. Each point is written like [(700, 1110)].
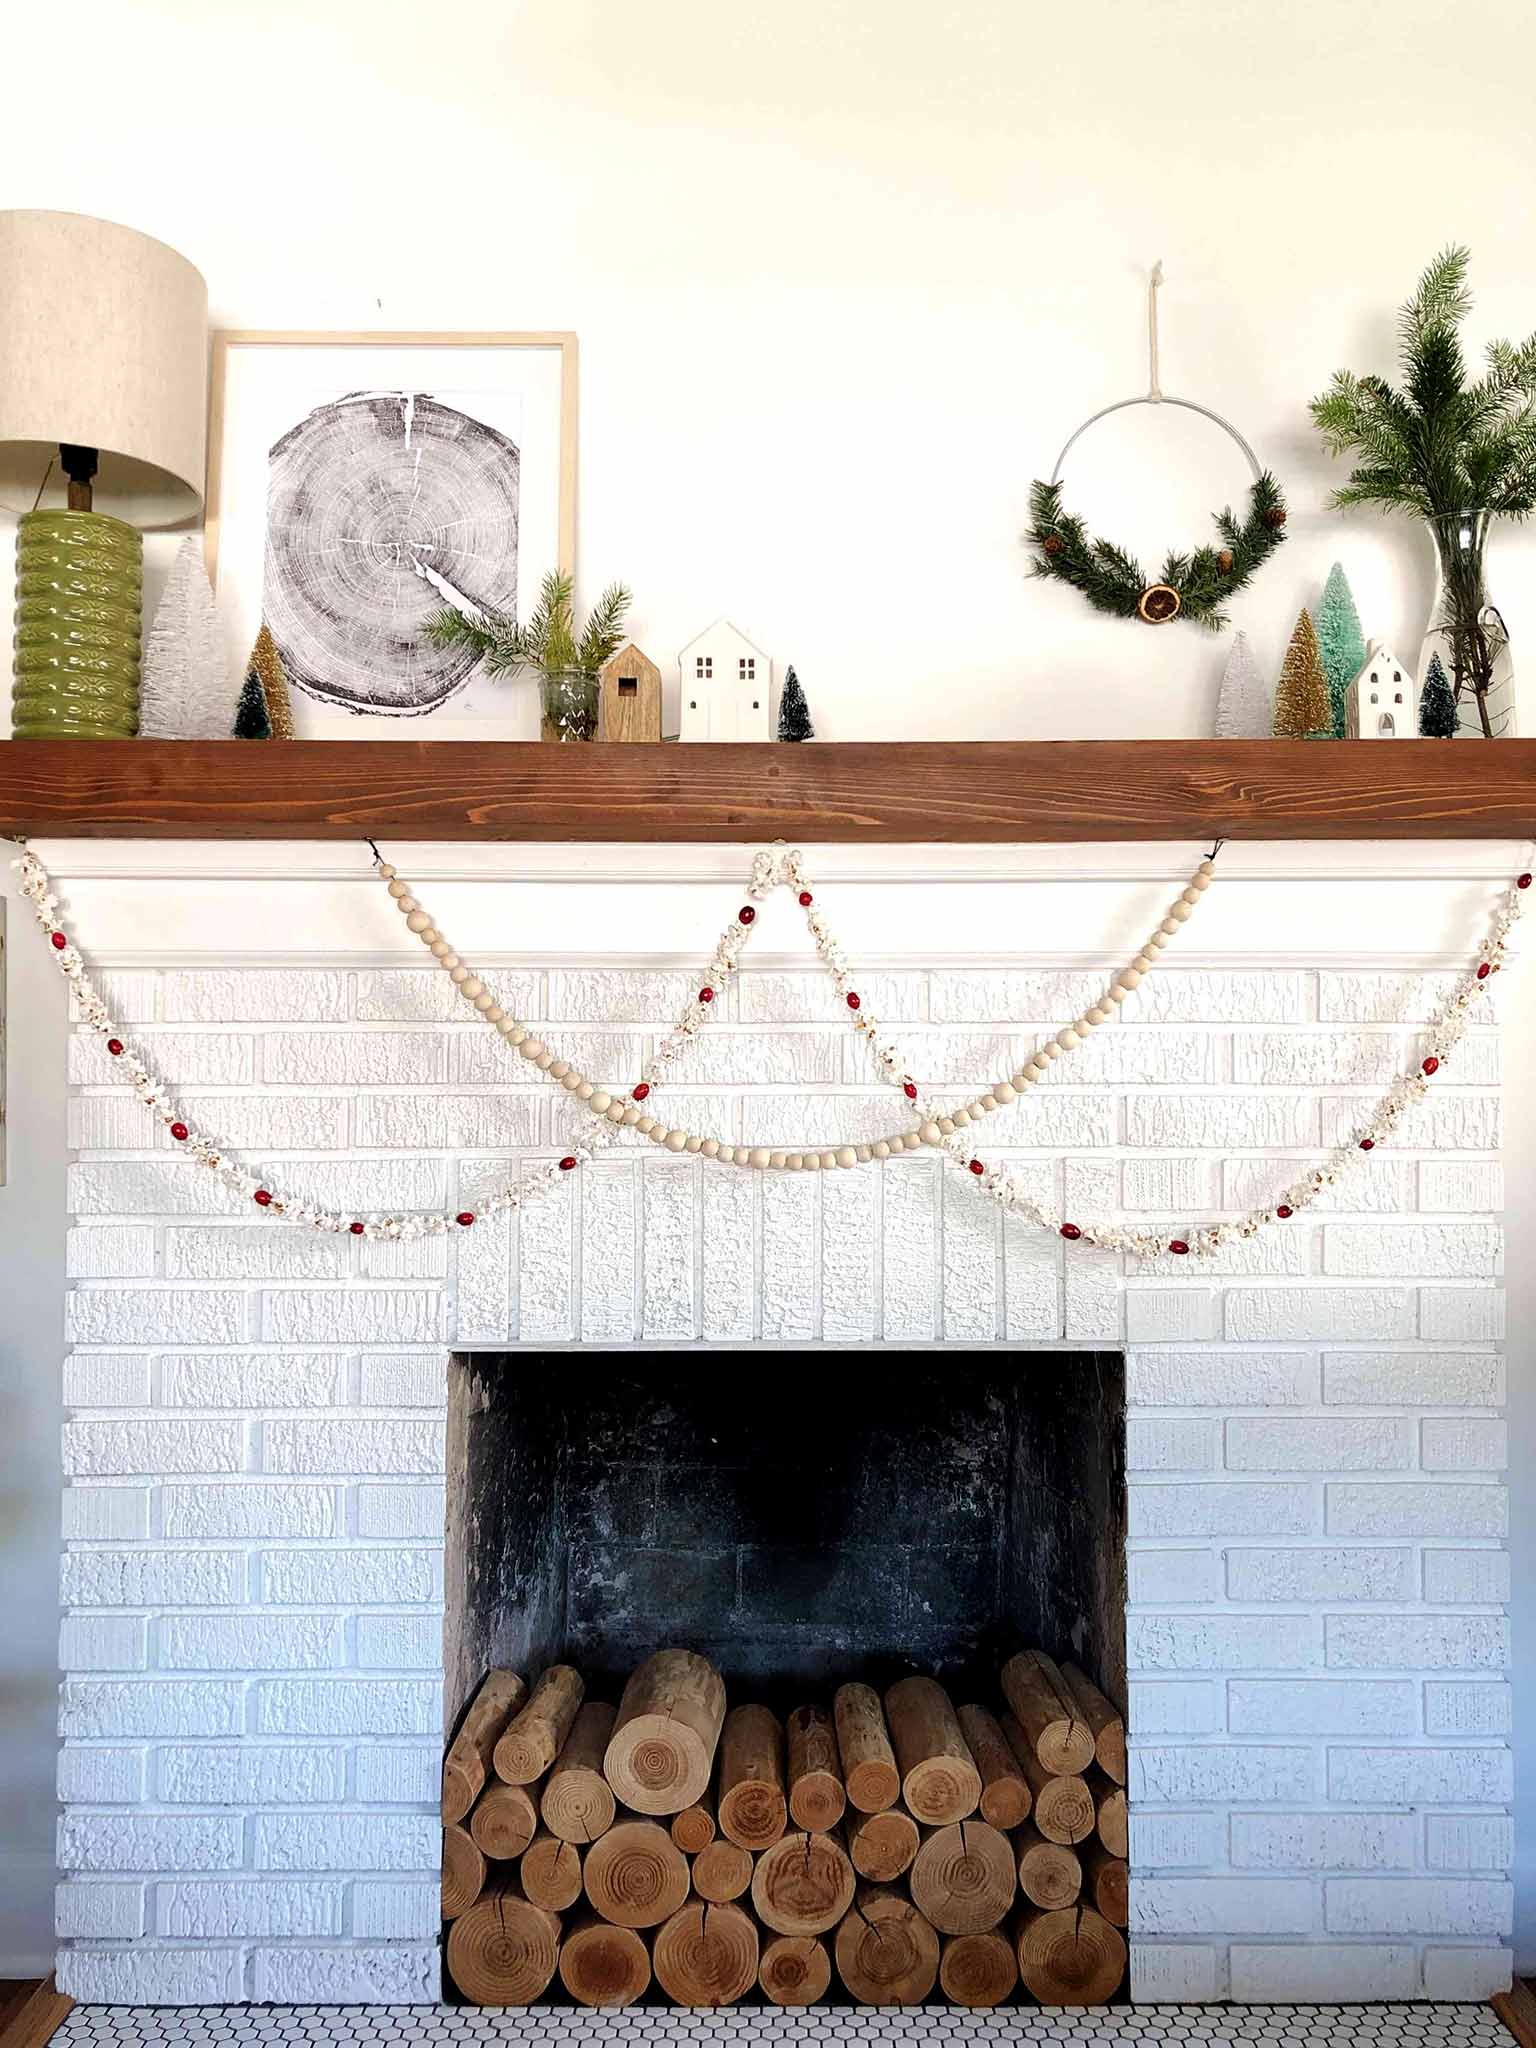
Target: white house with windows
[(1382, 703), (726, 687)]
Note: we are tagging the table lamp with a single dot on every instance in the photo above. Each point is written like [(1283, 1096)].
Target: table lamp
[(103, 394)]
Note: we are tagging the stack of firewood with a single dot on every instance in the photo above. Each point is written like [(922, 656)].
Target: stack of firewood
[(902, 1843)]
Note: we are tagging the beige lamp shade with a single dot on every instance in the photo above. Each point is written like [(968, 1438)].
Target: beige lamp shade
[(103, 342)]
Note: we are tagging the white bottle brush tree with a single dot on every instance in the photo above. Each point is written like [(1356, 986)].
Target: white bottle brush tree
[(188, 690), (1243, 709)]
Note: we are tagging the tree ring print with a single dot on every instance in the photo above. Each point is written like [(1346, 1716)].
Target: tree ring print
[(382, 508)]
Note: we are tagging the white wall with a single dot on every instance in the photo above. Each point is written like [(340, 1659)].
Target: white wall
[(844, 277)]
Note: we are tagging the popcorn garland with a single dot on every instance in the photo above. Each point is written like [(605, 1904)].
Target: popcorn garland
[(945, 1130)]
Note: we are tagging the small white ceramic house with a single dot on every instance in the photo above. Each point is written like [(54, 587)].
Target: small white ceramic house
[(727, 687), (1383, 700)]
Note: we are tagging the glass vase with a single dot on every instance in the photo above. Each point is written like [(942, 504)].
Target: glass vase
[(1467, 630), (568, 705)]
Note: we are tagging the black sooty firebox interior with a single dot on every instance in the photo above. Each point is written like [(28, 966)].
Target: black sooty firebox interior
[(798, 1522)]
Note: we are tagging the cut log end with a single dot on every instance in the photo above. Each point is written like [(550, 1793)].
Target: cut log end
[(939, 1778), (804, 1884), (817, 1800), (964, 1877), (503, 1951), (881, 1846), (693, 1829), (1069, 1958), (463, 1872), (722, 1870), (604, 1966), (635, 1875), (551, 1872), (870, 1776), (752, 1808), (533, 1738), (1047, 1710), (577, 1802), (467, 1765), (505, 1821), (1050, 1873), (706, 1954), (887, 1954), (795, 1970), (978, 1971), (663, 1744)]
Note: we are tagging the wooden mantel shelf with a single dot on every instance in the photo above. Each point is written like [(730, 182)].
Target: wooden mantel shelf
[(862, 792)]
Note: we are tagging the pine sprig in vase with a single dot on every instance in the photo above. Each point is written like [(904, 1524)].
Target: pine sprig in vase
[(566, 661), (1459, 453)]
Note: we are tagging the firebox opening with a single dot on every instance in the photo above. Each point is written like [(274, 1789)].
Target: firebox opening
[(797, 1519)]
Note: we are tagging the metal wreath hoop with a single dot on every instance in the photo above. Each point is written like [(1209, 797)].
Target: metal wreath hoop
[(1157, 398)]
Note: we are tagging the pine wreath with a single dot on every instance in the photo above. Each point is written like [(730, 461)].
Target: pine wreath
[(1193, 586)]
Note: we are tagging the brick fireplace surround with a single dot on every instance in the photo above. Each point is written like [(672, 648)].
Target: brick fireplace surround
[(253, 1579)]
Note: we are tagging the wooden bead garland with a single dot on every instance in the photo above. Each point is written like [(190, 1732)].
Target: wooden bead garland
[(946, 1131)]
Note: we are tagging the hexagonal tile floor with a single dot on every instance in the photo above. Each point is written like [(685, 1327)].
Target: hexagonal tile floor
[(415, 2026)]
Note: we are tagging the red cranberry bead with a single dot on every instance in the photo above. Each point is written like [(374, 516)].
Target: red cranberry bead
[(805, 899), (1367, 1144), (1484, 971), (262, 1198), (746, 914), (853, 1001), (59, 940), (356, 1229), (179, 1130), (706, 995), (909, 1089), (567, 1164), (977, 1167), (1071, 1231), (115, 1047), (1283, 1210), (1522, 881), (465, 1217), (640, 1091), (1431, 1065), (1177, 1244)]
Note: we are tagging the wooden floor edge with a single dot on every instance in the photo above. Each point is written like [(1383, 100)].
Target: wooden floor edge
[(1515, 2007), (35, 2019)]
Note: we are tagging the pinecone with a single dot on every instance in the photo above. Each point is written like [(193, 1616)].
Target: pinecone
[(1275, 516), (1053, 543), (1224, 561)]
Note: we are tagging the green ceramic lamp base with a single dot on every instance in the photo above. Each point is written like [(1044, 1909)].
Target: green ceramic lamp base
[(79, 618)]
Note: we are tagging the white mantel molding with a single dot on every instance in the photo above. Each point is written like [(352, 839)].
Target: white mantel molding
[(308, 861)]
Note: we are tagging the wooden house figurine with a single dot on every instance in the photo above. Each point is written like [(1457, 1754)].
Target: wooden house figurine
[(629, 696), (1382, 703), (727, 687)]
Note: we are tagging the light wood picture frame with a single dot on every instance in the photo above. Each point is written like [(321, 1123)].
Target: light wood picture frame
[(359, 481)]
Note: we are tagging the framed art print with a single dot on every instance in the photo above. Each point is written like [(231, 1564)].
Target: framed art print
[(358, 483)]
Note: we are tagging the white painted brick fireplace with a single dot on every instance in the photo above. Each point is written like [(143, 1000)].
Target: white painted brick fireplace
[(253, 1574)]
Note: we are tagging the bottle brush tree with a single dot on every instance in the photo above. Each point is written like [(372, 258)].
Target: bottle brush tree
[(1341, 643), (794, 712), (188, 689), (252, 720), (1437, 705), (1302, 710), (1242, 709)]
